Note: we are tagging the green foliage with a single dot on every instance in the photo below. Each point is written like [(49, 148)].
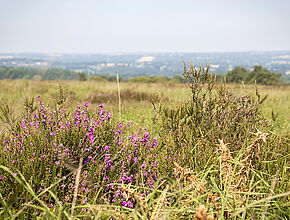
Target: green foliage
[(259, 75), (37, 74), (237, 75), (82, 77)]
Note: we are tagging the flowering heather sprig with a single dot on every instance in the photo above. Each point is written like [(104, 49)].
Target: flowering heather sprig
[(50, 143)]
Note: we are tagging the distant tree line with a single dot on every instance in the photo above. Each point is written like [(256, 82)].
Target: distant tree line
[(258, 74), (37, 74), (237, 75)]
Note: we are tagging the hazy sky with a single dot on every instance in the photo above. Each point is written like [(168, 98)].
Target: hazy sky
[(97, 26)]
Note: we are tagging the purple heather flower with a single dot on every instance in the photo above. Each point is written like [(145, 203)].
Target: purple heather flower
[(124, 203), (84, 201), (101, 112), (106, 147), (66, 150), (57, 162), (130, 204), (146, 135), (129, 179), (101, 105)]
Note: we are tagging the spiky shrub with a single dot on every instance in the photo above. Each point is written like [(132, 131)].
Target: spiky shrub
[(49, 145), (213, 113)]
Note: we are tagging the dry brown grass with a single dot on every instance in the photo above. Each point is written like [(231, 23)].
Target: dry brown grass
[(226, 164), (252, 155), (201, 214)]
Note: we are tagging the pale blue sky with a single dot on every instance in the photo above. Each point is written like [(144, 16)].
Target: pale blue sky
[(98, 26)]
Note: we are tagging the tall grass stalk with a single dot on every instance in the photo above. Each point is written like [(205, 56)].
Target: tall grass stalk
[(119, 94)]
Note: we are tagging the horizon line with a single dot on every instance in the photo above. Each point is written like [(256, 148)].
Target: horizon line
[(147, 52)]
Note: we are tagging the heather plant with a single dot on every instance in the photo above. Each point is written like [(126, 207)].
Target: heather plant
[(50, 144)]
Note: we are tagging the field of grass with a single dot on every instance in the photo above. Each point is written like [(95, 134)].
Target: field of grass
[(136, 98), (163, 155)]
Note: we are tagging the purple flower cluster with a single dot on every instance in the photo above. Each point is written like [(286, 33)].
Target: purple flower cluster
[(49, 143)]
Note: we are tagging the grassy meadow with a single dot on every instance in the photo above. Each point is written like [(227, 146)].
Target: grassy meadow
[(136, 98), (169, 152)]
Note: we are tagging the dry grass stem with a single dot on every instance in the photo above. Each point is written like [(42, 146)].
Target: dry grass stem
[(226, 164), (78, 173)]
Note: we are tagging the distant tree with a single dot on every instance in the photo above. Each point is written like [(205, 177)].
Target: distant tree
[(82, 76), (263, 76), (258, 74), (237, 75)]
